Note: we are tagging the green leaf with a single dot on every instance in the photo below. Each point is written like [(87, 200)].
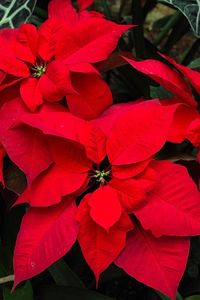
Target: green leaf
[(159, 92), (191, 10), (63, 275), (72, 293), (15, 12), (21, 293), (195, 297), (195, 64), (164, 297)]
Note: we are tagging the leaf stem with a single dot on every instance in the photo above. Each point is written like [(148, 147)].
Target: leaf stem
[(6, 279), (164, 30)]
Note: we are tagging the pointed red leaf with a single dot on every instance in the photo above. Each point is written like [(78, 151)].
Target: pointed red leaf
[(94, 142), (91, 33), (133, 191), (100, 248), (68, 175), (47, 38), (64, 124), (50, 186), (156, 262), (192, 75), (44, 237), (165, 76), (2, 154), (176, 201), (26, 146), (91, 99), (193, 133), (53, 122), (128, 171), (9, 63), (63, 10), (110, 116), (105, 206), (136, 136), (31, 94), (25, 44), (56, 82), (83, 4), (183, 115)]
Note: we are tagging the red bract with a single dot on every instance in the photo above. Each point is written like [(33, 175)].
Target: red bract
[(165, 76), (25, 60), (116, 162), (155, 261), (44, 60), (45, 236), (192, 75), (24, 145), (64, 10), (2, 154)]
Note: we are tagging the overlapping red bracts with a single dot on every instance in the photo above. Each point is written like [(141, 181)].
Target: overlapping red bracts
[(44, 60), (135, 211)]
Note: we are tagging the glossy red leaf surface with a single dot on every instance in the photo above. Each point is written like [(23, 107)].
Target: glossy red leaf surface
[(42, 231), (156, 262), (175, 199)]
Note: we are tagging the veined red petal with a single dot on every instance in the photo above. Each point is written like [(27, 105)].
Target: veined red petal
[(173, 206), (2, 154), (47, 38), (25, 45), (31, 94), (183, 115), (9, 62), (45, 236), (133, 191), (50, 186), (89, 35), (128, 171), (136, 136), (63, 10), (100, 248), (105, 206), (111, 115), (165, 76), (94, 142), (156, 262), (26, 146), (192, 75), (69, 155), (91, 99)]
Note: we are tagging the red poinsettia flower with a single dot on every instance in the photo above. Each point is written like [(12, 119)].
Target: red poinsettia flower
[(113, 154), (48, 62)]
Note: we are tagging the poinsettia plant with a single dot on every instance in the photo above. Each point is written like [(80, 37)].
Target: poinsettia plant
[(92, 171)]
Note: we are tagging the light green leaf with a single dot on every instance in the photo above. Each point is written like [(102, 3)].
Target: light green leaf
[(15, 12), (195, 64), (191, 10), (195, 297)]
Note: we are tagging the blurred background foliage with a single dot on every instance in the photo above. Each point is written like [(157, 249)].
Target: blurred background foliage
[(169, 26)]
